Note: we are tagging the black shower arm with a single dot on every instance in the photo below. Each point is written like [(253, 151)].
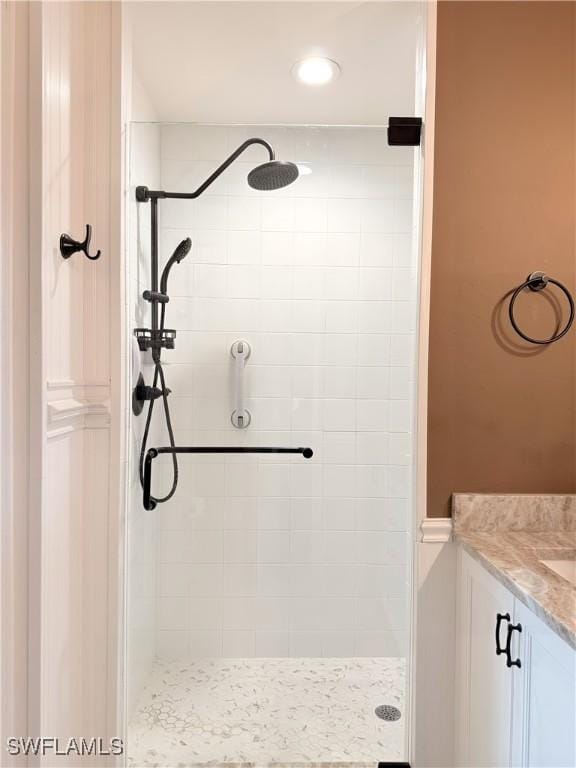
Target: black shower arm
[(152, 453), (143, 194)]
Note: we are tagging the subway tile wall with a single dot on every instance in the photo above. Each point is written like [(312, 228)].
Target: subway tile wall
[(277, 556)]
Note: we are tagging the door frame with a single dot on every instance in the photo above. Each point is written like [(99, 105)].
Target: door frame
[(420, 738), (15, 365)]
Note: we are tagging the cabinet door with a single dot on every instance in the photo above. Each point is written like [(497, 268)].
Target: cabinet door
[(484, 683), (544, 717)]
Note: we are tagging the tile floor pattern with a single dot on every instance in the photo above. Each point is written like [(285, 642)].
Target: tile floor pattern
[(263, 711)]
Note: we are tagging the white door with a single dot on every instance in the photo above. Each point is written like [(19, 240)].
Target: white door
[(484, 683), (69, 79), (544, 714)]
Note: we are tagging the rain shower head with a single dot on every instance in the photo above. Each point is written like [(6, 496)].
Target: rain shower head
[(274, 174)]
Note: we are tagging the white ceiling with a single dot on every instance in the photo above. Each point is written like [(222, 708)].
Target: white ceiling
[(230, 62)]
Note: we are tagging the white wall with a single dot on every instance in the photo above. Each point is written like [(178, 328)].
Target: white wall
[(268, 556), (435, 644), (144, 140)]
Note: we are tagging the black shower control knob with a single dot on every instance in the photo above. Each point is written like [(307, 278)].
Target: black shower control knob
[(144, 392)]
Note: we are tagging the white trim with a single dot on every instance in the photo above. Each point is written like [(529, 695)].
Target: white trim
[(426, 265), (436, 530), (118, 393), (434, 603), (36, 319), (63, 384), (70, 383), (64, 410), (422, 206), (14, 351)]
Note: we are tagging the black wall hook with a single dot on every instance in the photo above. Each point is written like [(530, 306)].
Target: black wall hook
[(68, 245)]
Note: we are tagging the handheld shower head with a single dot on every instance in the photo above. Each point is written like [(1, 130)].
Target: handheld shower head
[(274, 174), (181, 251)]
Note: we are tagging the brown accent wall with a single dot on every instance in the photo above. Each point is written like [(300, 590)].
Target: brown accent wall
[(502, 414)]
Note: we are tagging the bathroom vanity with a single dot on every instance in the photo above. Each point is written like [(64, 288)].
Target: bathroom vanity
[(516, 631)]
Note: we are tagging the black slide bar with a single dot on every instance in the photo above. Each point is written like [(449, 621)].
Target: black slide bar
[(152, 453)]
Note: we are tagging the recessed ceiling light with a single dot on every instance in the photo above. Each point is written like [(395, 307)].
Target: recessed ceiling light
[(315, 70), (304, 170)]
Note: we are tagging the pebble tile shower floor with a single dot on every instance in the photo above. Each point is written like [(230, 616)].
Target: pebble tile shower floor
[(263, 711)]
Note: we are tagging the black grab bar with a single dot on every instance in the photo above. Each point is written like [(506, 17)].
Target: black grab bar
[(152, 453)]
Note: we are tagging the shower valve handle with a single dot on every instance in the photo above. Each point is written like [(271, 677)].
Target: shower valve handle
[(143, 392)]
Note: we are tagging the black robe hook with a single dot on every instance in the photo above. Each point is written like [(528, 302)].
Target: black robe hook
[(68, 245)]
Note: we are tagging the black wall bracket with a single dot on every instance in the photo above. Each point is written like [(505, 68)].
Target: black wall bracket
[(404, 131)]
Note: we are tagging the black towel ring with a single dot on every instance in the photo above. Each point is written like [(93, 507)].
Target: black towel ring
[(537, 281)]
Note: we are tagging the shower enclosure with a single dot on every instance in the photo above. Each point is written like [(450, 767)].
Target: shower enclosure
[(268, 599)]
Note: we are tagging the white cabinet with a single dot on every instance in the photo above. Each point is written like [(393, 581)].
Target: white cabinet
[(544, 716), (515, 680), (484, 683)]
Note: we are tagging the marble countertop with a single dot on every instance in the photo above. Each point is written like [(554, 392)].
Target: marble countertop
[(511, 546)]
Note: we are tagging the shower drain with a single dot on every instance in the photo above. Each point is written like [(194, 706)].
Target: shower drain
[(388, 713)]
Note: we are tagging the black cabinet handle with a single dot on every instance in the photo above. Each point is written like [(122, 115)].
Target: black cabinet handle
[(500, 617), (509, 662)]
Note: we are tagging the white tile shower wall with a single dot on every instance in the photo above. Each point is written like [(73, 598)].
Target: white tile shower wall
[(277, 556), (142, 526)]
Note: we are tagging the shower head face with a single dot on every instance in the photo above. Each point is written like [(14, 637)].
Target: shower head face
[(273, 175), (182, 250)]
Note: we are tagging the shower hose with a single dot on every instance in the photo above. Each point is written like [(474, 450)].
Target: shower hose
[(159, 375)]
